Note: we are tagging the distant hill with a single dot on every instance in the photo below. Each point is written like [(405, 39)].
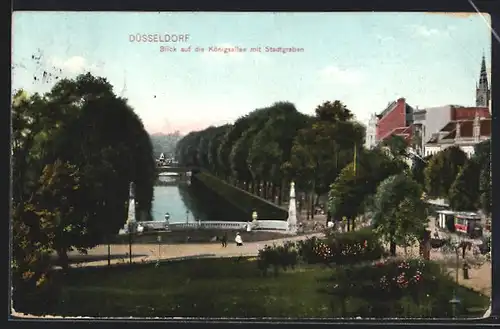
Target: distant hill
[(165, 143)]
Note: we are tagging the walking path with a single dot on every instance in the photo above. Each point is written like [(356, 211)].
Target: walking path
[(150, 252)]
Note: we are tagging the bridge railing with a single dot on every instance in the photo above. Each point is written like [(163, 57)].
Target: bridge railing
[(261, 225)]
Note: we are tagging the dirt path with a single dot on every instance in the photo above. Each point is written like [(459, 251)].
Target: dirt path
[(150, 252)]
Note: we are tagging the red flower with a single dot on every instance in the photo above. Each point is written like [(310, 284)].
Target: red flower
[(365, 244)]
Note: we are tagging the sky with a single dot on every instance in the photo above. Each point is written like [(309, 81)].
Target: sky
[(365, 60)]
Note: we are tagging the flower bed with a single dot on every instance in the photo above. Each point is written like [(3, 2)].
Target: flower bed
[(342, 248), (345, 248), (413, 288)]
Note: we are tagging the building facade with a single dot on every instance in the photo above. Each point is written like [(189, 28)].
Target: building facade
[(428, 122), (371, 132), (440, 127), (465, 133), (396, 119)]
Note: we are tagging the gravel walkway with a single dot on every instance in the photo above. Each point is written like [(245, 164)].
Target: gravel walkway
[(150, 252)]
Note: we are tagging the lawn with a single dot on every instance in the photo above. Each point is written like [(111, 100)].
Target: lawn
[(232, 287)]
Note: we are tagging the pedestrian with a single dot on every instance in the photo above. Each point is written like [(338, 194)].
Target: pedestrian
[(224, 240), (238, 240)]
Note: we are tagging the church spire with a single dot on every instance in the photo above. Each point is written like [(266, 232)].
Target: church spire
[(483, 78), (482, 89)]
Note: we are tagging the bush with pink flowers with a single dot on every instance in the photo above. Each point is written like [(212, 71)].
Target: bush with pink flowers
[(397, 288), (342, 248)]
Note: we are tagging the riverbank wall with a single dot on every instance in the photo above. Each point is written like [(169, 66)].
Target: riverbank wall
[(242, 202)]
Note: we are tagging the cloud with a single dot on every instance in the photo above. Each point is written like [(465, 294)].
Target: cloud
[(384, 38), (73, 65), (424, 31), (334, 74)]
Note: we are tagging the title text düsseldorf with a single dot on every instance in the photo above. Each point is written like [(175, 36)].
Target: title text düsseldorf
[(158, 37), (237, 49)]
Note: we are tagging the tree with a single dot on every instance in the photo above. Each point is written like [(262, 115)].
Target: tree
[(239, 155), (81, 122), (227, 142), (202, 152), (165, 143), (351, 190), (397, 146), (418, 168), (485, 198), (271, 147), (442, 171), (464, 192), (347, 195), (324, 147), (482, 154), (59, 205), (213, 146), (400, 213), (333, 112), (187, 149)]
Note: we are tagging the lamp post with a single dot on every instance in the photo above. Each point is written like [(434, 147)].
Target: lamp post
[(131, 230), (159, 250), (167, 217), (109, 253), (455, 301)]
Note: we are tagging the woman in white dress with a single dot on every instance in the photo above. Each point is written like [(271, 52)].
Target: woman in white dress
[(238, 240)]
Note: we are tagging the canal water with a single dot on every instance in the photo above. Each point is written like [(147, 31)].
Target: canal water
[(190, 203), (168, 199)]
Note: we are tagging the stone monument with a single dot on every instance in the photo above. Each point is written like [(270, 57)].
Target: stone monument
[(131, 220), (292, 211)]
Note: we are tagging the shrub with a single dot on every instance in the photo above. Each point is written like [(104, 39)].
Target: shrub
[(35, 292), (285, 256), (413, 288), (307, 250), (342, 248)]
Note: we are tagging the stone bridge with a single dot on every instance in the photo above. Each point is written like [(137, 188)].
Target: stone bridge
[(265, 225), (174, 169)]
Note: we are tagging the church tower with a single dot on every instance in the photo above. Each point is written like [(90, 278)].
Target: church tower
[(483, 89)]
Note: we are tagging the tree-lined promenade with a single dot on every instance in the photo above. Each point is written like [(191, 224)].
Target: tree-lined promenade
[(264, 150)]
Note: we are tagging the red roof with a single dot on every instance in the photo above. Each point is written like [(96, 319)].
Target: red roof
[(465, 113), (404, 132), (466, 129)]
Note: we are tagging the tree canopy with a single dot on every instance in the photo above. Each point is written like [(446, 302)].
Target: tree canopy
[(359, 180), (75, 151), (271, 146), (400, 213), (442, 170)]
